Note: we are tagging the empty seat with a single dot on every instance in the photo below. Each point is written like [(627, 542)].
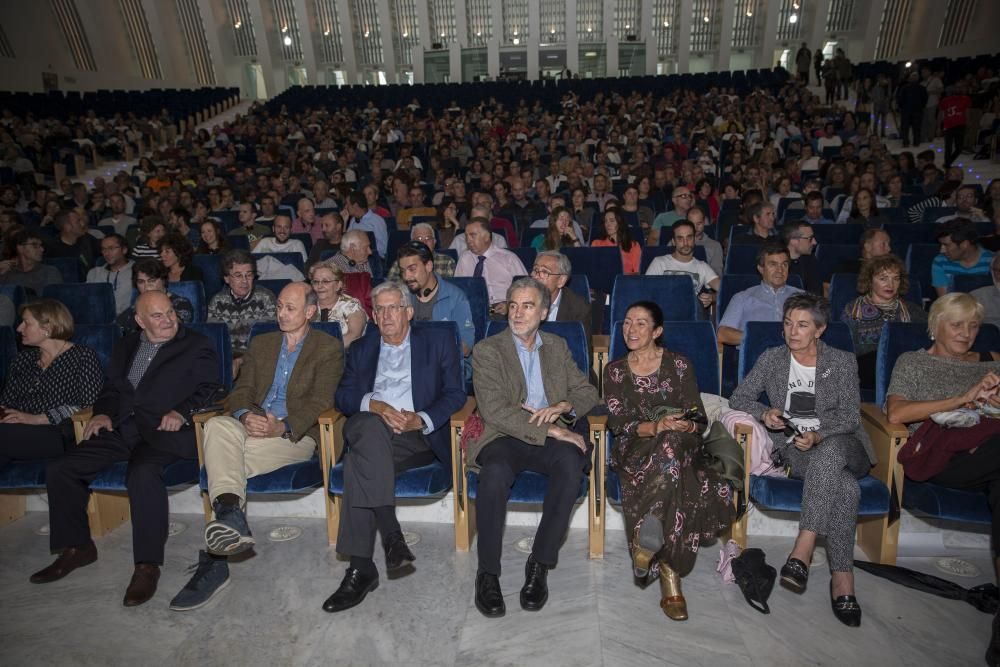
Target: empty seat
[(88, 303)]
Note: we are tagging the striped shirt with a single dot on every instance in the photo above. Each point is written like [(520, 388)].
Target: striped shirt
[(942, 269)]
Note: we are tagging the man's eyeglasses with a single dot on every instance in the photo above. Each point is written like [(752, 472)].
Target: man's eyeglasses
[(807, 238), (391, 309), (423, 239), (544, 273), (241, 276), (684, 195)]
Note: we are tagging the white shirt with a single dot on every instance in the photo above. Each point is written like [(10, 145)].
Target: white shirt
[(393, 384), (800, 401), (271, 244), (700, 272)]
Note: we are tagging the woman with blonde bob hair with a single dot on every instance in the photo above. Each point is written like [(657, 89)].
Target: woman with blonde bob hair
[(335, 305), (47, 382), (881, 284)]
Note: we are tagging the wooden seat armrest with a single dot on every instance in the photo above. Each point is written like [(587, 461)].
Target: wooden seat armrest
[(601, 342), (886, 439), (597, 422), (202, 418), (872, 416), (329, 417), (80, 420), (459, 418)]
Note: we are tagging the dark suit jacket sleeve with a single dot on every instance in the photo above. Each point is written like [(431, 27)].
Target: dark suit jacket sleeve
[(358, 367), (203, 369), (574, 308), (450, 395)]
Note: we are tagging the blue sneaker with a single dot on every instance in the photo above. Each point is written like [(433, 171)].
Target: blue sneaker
[(211, 575), (229, 534)]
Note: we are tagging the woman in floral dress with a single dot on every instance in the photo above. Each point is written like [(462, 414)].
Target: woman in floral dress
[(670, 499)]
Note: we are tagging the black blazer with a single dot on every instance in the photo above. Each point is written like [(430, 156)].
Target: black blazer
[(572, 308), (183, 377)]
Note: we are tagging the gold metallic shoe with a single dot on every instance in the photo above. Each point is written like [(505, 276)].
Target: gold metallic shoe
[(642, 559), (673, 603)]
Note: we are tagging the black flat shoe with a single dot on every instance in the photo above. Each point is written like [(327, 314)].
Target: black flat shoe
[(352, 591), (489, 597), (846, 609), (397, 553), (535, 591), (795, 575)]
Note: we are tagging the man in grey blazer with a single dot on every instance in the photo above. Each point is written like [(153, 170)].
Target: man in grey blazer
[(533, 401)]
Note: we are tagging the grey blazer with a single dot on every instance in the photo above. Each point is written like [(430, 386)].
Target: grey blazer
[(501, 389), (838, 401)]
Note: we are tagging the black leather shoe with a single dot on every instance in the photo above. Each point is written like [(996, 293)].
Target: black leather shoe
[(846, 609), (489, 597), (70, 559), (397, 553), (795, 575), (535, 591), (352, 591)]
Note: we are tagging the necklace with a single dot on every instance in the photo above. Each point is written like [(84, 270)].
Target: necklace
[(45, 364)]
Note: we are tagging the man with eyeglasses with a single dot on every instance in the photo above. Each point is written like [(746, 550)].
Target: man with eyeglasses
[(421, 232), (117, 270), (800, 240), (243, 303), (682, 199), (553, 270), (27, 269), (400, 388), (269, 420)]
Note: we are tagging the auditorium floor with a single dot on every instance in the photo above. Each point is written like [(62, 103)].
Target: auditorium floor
[(270, 614)]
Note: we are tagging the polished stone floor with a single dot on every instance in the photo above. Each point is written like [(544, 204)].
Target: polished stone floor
[(270, 614)]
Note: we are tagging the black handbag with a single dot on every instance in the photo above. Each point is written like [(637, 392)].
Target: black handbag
[(755, 578)]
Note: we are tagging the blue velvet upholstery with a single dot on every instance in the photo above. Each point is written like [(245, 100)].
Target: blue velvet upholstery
[(944, 503), (919, 258), (306, 239), (830, 255), (674, 294), (650, 253), (238, 242), (580, 284), (962, 283), (69, 267), (23, 475), (761, 336), (428, 481), (695, 340), (292, 478), (600, 265), (529, 487), (479, 302), (88, 303), (839, 234), (741, 259), (193, 291), (218, 333), (99, 337), (293, 258), (571, 332), (785, 494), (211, 272), (113, 477), (275, 285), (906, 232), (932, 214), (844, 289), (526, 255), (15, 293), (8, 350)]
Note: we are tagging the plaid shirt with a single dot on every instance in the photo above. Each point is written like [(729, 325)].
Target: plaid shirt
[(444, 266)]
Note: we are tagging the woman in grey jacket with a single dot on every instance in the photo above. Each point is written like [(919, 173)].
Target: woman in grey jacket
[(816, 432)]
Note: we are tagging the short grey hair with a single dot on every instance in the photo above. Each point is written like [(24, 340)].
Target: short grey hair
[(420, 225), (353, 239), (565, 267), (392, 286), (527, 282), (817, 307)]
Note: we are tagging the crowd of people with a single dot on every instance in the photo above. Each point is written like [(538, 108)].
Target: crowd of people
[(471, 188)]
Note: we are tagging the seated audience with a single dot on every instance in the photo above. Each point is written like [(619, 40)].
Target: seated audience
[(422, 232), (614, 232), (864, 210), (874, 243), (72, 239), (269, 420), (761, 217), (763, 303), (355, 249), (117, 270), (157, 379), (358, 215), (249, 227), (966, 206), (814, 205), (49, 380), (682, 261), (148, 275), (281, 241), (660, 456), (816, 433), (213, 240), (116, 215), (882, 283), (496, 265), (553, 270), (242, 303), (26, 268), (800, 240), (332, 227), (399, 390), (333, 304), (431, 296), (713, 249), (152, 229), (177, 253), (989, 296), (960, 254), (559, 234), (683, 200)]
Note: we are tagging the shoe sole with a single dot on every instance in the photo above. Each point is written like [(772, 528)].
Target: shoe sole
[(353, 604), (177, 607), (223, 540), (792, 584), (534, 607), (491, 614)]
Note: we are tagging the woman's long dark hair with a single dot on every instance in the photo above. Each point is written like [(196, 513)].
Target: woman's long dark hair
[(624, 233)]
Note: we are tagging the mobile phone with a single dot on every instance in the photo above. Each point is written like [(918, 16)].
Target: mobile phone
[(706, 290), (257, 410), (790, 429), (690, 414)]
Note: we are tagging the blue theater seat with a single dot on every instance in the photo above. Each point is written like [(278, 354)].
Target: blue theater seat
[(193, 291), (962, 283), (211, 272), (88, 303), (529, 487), (479, 302), (844, 289), (8, 350), (674, 294), (69, 267), (600, 265)]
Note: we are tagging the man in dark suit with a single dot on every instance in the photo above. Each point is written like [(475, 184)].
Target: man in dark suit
[(533, 401), (400, 387), (553, 270), (271, 419), (157, 379)]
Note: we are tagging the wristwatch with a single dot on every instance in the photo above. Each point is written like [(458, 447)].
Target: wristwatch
[(287, 435)]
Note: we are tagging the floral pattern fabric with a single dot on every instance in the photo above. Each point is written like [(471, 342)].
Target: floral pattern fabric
[(664, 478)]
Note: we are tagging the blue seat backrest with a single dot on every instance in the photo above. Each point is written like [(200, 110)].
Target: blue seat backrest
[(919, 259), (274, 286), (88, 303), (240, 242), (695, 340), (932, 214), (571, 332), (193, 291), (526, 255), (99, 337), (69, 267), (742, 258), (580, 284), (211, 272), (906, 232), (830, 255), (900, 337), (330, 328), (962, 283), (674, 294), (841, 234), (761, 336), (8, 350), (293, 258), (218, 333), (600, 265), (479, 302), (844, 289), (397, 239), (306, 239), (15, 293)]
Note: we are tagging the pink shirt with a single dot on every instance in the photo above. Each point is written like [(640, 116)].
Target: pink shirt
[(499, 270), (299, 227)]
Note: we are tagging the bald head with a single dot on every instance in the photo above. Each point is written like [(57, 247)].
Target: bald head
[(154, 313), (296, 305)]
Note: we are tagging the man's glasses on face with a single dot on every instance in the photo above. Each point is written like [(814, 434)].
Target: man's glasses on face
[(391, 309), (544, 273), (423, 239), (685, 195), (241, 276)]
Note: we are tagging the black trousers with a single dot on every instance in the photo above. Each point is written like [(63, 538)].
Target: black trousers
[(500, 462), (953, 139), (375, 457), (978, 471), (910, 121), (69, 479), (26, 442)]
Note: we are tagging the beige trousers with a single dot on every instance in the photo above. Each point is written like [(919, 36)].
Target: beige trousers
[(232, 457)]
